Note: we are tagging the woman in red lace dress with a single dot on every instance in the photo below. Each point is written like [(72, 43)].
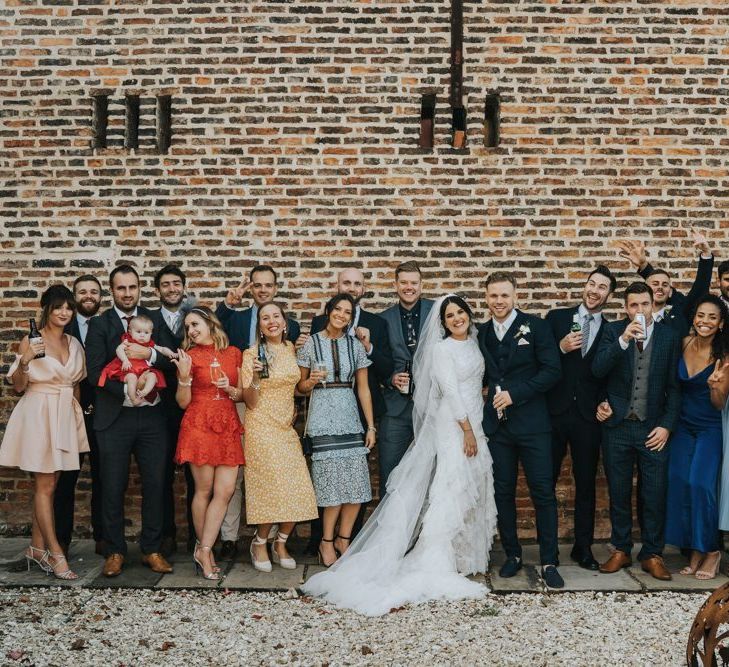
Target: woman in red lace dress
[(210, 433)]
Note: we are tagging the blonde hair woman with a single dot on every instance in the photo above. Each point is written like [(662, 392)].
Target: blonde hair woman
[(208, 386)]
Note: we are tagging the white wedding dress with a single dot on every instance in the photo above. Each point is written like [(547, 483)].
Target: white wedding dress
[(438, 519)]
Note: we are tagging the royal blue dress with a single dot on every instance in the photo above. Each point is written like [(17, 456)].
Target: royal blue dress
[(694, 464)]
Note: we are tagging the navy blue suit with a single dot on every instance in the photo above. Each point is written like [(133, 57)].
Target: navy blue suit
[(526, 364), (573, 405), (64, 499), (624, 436)]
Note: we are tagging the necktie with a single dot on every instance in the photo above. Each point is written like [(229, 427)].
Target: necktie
[(640, 345), (500, 331), (127, 319), (412, 335), (586, 334), (176, 324)]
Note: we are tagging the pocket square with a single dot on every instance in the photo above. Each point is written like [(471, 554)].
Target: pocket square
[(523, 341)]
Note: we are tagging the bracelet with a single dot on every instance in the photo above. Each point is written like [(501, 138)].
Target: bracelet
[(255, 386), (180, 383), (234, 395), (371, 428)]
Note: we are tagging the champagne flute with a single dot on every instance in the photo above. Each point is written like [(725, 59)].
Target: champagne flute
[(321, 367), (216, 373)]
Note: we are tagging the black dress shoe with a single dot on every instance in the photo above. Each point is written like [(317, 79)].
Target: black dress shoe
[(585, 559), (552, 577), (228, 550), (510, 567), (168, 546)]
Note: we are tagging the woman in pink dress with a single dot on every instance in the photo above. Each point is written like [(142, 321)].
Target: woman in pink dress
[(210, 432), (46, 431)]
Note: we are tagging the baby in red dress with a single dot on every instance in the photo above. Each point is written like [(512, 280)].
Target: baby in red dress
[(141, 379)]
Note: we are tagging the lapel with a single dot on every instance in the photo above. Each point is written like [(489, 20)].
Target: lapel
[(73, 329), (631, 348), (511, 335), (245, 322), (485, 330), (656, 341), (116, 323)]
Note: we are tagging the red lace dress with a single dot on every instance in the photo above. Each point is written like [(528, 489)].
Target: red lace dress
[(210, 433)]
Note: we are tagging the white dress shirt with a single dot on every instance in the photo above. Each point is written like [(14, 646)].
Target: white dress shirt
[(83, 327), (649, 333), (500, 328)]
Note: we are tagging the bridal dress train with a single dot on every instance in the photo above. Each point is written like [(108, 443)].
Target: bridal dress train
[(437, 521)]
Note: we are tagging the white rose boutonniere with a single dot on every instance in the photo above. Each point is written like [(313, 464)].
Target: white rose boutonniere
[(523, 331)]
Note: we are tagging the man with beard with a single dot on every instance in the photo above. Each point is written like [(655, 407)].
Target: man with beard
[(371, 330), (87, 294), (573, 403), (242, 329), (404, 321), (723, 275), (123, 429), (669, 305), (169, 284)]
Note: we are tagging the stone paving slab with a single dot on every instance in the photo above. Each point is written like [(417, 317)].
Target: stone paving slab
[(240, 575)]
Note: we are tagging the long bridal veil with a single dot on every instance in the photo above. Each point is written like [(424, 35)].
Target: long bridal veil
[(379, 571)]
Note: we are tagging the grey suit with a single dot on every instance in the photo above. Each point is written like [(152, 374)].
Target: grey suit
[(396, 425)]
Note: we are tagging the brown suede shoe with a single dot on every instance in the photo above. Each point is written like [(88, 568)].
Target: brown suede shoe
[(157, 563), (113, 565), (656, 568), (616, 562)]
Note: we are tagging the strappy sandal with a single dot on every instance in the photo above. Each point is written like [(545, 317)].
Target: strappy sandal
[(67, 574), (285, 563), (321, 557)]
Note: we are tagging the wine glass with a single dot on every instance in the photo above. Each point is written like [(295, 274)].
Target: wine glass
[(216, 373), (321, 366)]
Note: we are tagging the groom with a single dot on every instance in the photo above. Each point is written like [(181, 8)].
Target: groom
[(523, 360)]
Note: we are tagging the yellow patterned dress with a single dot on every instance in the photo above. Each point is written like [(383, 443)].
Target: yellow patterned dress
[(277, 483)]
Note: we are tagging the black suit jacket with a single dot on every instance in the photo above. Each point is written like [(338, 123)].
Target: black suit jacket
[(682, 305), (616, 365), (381, 357), (102, 339), (237, 324), (532, 369), (86, 390), (578, 385), (167, 338)]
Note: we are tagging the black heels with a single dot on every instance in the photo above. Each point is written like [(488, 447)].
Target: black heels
[(321, 559)]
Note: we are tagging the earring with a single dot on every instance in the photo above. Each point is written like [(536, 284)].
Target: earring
[(284, 331)]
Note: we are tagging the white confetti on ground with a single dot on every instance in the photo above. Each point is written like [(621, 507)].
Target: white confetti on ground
[(93, 627)]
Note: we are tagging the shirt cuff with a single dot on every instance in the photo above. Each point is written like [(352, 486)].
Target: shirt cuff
[(152, 358), (372, 349), (622, 343)]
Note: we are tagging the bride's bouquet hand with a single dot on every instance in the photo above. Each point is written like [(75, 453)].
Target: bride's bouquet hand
[(470, 448)]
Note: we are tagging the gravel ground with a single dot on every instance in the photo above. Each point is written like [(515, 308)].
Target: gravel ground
[(95, 627)]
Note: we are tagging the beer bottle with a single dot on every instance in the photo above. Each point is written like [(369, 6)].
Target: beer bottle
[(500, 414), (263, 373), (576, 325), (34, 336), (407, 390)]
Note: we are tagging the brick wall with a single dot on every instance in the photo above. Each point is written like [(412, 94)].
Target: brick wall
[(295, 127)]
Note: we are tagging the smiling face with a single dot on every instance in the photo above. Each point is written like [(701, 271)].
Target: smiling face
[(61, 315), (408, 286), (87, 295), (596, 292), (272, 323), (456, 321), (501, 299), (197, 329), (351, 281), (263, 287), (171, 291), (125, 291), (660, 283), (707, 320), (341, 315)]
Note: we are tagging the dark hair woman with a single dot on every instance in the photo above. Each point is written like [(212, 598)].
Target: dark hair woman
[(46, 431), (333, 366), (695, 451)]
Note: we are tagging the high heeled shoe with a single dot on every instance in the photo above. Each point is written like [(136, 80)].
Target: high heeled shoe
[(321, 557), (199, 568), (260, 565), (704, 575), (41, 562), (341, 552), (285, 563), (68, 574), (215, 566)]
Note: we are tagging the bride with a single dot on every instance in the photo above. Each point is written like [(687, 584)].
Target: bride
[(437, 521)]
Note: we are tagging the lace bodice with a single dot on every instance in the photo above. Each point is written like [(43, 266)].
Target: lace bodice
[(458, 371)]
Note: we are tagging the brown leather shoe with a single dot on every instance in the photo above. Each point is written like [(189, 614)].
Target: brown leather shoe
[(113, 565), (616, 562), (157, 563), (656, 568)]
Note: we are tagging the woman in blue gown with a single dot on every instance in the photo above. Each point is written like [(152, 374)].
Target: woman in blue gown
[(695, 452)]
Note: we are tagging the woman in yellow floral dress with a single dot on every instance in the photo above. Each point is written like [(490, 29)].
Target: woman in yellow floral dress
[(277, 482)]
